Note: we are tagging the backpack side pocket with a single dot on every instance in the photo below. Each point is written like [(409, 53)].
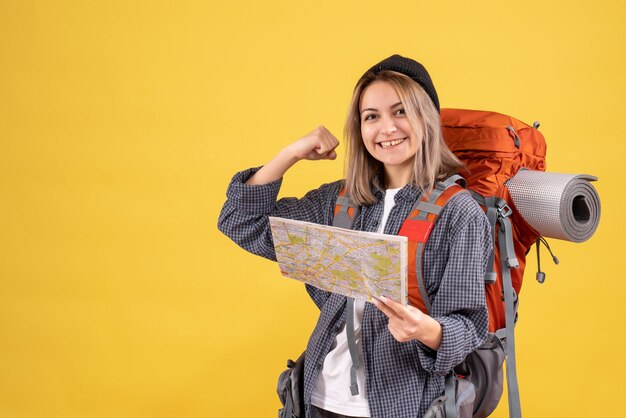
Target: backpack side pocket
[(483, 368), (290, 389)]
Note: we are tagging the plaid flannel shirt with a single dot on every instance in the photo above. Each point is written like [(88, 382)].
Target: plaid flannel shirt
[(402, 379)]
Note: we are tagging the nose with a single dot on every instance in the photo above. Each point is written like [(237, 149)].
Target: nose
[(388, 126)]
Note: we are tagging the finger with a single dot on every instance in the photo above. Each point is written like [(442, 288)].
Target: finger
[(321, 149), (408, 327), (323, 130), (330, 155), (397, 332), (326, 145), (386, 310), (333, 142), (326, 155), (399, 309), (330, 139)]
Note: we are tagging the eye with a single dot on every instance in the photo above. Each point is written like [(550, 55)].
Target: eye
[(400, 112), (370, 116)]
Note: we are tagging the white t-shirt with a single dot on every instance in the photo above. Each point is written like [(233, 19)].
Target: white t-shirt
[(332, 388)]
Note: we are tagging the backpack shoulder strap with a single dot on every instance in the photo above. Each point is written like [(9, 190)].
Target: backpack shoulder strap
[(417, 228), (346, 211), (498, 213), (509, 261)]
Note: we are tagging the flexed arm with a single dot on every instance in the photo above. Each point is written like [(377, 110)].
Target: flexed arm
[(252, 194), (320, 144), (251, 198)]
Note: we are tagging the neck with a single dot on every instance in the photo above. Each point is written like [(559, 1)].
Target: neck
[(397, 177)]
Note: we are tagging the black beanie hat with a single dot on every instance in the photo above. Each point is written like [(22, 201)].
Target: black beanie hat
[(410, 68)]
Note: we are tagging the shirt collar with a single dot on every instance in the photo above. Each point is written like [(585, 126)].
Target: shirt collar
[(410, 192)]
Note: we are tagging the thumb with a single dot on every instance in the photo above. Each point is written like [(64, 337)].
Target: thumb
[(325, 154)]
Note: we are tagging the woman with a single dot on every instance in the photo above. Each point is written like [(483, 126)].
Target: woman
[(395, 153)]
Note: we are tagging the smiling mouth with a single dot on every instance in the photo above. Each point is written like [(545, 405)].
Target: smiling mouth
[(392, 143)]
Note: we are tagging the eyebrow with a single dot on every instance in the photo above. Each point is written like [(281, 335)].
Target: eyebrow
[(375, 110)]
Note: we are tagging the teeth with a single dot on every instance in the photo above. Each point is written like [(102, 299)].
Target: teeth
[(387, 144)]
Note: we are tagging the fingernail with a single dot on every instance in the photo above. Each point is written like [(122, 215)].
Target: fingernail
[(384, 299)]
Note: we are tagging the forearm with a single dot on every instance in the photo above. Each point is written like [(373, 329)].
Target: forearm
[(317, 145), (275, 169)]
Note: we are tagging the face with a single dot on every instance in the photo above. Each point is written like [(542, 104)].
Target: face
[(386, 131)]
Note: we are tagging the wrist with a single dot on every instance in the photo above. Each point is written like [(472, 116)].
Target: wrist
[(432, 332), (274, 169), (287, 156)]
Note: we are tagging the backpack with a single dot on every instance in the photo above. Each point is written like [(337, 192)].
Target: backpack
[(493, 147)]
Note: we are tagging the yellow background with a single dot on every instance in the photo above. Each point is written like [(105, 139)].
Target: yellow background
[(121, 123)]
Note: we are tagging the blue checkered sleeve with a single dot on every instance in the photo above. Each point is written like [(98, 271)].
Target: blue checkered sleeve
[(244, 216)]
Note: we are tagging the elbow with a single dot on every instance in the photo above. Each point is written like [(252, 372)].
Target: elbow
[(221, 223), (250, 233), (225, 221)]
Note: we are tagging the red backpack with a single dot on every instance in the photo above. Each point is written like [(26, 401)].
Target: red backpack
[(494, 147)]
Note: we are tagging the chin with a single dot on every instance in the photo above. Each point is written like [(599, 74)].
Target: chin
[(397, 162)]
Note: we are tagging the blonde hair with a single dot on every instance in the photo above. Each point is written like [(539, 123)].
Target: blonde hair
[(433, 162)]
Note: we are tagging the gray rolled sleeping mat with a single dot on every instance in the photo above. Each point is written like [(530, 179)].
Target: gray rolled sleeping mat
[(561, 206)]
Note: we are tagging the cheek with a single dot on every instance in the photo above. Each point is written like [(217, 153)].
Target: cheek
[(368, 141), (408, 129), (367, 133)]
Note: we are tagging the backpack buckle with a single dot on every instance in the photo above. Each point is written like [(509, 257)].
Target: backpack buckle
[(504, 210)]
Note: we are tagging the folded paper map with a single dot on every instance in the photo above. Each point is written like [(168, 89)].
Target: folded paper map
[(362, 265)]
